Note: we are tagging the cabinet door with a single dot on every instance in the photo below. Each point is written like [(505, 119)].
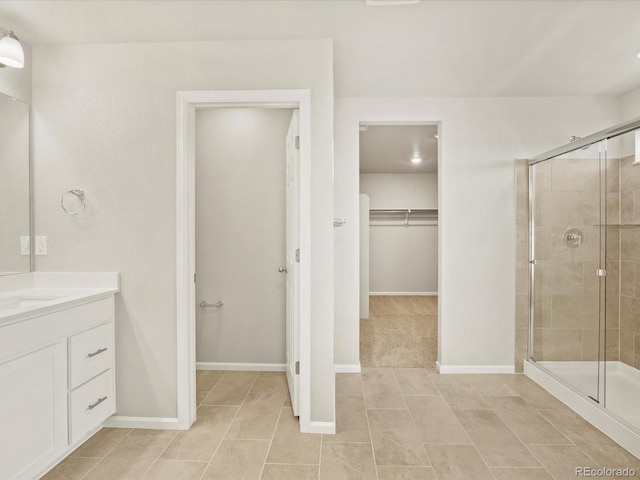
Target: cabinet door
[(33, 411)]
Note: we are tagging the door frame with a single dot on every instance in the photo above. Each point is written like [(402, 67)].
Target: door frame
[(187, 104), (437, 123)]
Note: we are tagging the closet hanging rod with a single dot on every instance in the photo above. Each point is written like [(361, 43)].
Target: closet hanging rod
[(403, 210)]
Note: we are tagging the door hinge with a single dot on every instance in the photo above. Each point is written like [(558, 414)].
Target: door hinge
[(298, 255), (601, 272), (194, 278), (297, 368), (297, 142)]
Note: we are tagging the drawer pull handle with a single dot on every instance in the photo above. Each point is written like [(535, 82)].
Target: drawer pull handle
[(98, 402), (97, 352)]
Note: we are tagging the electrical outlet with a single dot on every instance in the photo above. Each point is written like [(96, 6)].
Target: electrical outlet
[(25, 245), (41, 245)]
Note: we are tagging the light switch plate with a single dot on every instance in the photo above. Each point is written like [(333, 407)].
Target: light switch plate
[(41, 244)]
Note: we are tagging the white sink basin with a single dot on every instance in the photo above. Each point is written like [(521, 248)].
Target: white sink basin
[(27, 302)]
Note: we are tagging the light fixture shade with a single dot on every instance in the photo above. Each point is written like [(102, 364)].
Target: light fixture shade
[(11, 53)]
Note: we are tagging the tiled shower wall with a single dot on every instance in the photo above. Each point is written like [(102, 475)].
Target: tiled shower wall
[(567, 288), (630, 262)]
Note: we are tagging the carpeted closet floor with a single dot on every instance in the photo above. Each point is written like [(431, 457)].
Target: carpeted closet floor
[(401, 331)]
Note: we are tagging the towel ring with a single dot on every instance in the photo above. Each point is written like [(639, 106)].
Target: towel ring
[(80, 195)]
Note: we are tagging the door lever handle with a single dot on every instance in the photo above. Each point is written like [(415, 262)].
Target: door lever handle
[(282, 269)]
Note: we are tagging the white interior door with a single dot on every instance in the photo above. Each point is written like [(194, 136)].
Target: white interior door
[(292, 242)]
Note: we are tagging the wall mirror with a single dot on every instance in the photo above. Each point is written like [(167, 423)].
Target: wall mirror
[(15, 223)]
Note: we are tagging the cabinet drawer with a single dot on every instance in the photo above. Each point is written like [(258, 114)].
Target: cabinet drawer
[(90, 353), (90, 405)]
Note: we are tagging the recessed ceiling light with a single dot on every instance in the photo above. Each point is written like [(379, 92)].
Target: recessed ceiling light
[(416, 160)]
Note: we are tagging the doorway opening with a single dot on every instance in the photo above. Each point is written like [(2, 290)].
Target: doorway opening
[(242, 212), (399, 244)]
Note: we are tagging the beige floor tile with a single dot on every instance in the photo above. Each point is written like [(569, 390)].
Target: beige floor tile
[(521, 474), (207, 379), (399, 348), (130, 459), (200, 396), (289, 445), (175, 470), (590, 440), (435, 421), (199, 443), (101, 443), (458, 392), (347, 461), (457, 462), (351, 420), (152, 432), (270, 382), (381, 388), (257, 417), (533, 394), (525, 421), (290, 472), (231, 389), (348, 384), (491, 385), (497, 444), (71, 468), (395, 438), (238, 460), (386, 472), (561, 460), (415, 381), (287, 400)]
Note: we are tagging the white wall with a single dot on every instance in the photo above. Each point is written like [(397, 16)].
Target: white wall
[(105, 121), (630, 105), (240, 234), (400, 190), (480, 138), (402, 260)]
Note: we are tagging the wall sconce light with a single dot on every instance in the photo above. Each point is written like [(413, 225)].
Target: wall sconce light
[(11, 53)]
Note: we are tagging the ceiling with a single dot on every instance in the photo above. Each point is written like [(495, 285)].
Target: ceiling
[(390, 148), (434, 48)]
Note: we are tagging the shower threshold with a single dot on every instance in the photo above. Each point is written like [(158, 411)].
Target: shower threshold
[(573, 382)]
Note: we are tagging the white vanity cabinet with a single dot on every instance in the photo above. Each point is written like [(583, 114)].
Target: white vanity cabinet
[(57, 384)]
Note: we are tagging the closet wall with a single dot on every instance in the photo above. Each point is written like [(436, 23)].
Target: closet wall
[(402, 260)]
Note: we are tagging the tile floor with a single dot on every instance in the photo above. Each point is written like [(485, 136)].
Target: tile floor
[(392, 424), (401, 331)]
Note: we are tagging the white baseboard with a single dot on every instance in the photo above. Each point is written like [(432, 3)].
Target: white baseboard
[(249, 367), (345, 368), (445, 369), (326, 428), (417, 294), (156, 423)]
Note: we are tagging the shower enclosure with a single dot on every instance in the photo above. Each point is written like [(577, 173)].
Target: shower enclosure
[(584, 278)]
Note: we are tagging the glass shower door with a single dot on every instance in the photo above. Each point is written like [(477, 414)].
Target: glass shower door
[(568, 241)]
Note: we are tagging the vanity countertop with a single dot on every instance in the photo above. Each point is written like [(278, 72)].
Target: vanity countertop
[(48, 292)]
